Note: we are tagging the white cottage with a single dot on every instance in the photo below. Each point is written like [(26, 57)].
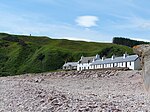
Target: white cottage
[(125, 61), (85, 62), (70, 66)]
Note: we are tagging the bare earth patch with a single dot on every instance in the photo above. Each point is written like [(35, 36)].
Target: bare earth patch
[(91, 91)]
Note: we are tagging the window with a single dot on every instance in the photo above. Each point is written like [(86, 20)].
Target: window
[(126, 65), (103, 65), (79, 68), (116, 64), (130, 63)]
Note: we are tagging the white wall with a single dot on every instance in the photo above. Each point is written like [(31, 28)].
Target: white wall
[(134, 65), (130, 65), (83, 66)]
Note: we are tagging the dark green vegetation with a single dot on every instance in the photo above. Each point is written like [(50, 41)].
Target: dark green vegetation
[(29, 54), (127, 42)]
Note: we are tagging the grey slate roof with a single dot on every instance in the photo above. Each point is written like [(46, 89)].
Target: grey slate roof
[(116, 60), (87, 59), (71, 64)]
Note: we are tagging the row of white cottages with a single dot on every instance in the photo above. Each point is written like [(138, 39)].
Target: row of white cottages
[(125, 61)]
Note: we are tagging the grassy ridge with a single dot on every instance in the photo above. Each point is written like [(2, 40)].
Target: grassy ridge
[(23, 54)]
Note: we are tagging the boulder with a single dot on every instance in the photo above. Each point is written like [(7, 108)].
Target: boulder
[(144, 52)]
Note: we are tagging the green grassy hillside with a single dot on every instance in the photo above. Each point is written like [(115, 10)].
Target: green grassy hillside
[(29, 54)]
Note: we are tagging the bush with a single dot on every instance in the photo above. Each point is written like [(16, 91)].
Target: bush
[(127, 42), (11, 38)]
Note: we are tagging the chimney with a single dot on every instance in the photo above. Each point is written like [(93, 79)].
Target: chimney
[(103, 58), (113, 57), (79, 62), (82, 57), (97, 57), (125, 55), (93, 60)]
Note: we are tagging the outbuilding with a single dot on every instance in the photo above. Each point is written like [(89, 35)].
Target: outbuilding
[(70, 66)]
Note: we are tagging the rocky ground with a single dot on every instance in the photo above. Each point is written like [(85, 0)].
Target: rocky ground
[(86, 91)]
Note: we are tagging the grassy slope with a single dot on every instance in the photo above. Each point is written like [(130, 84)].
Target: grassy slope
[(22, 54)]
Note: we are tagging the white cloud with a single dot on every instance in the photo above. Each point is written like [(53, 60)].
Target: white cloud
[(87, 21), (132, 22), (141, 23), (81, 39), (75, 38), (144, 24), (139, 39)]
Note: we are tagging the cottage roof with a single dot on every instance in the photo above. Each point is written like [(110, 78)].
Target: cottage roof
[(71, 64), (87, 59), (116, 60)]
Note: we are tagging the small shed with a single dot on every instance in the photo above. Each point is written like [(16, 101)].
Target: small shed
[(70, 66)]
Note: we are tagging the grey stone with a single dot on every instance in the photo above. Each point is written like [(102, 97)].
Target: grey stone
[(144, 52)]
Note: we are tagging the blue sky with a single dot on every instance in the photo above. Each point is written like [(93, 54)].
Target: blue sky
[(89, 20)]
